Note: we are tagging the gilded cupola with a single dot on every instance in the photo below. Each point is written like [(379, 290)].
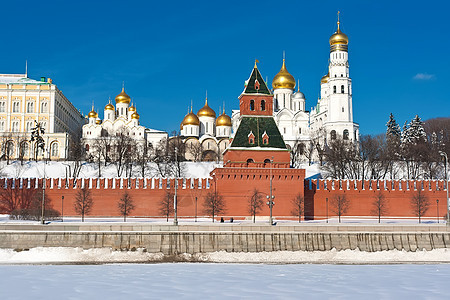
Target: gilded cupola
[(206, 111), (223, 120), (92, 113), (283, 80), (338, 40), (135, 116), (190, 119), (123, 97), (132, 108), (325, 78), (109, 106)]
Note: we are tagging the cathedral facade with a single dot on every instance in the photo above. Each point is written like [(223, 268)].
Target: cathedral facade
[(121, 119)]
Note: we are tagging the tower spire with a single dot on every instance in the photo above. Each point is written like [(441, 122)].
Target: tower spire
[(298, 85), (338, 22), (123, 86), (26, 68), (256, 61)]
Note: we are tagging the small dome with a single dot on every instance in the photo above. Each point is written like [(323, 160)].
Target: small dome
[(123, 97), (206, 111), (109, 106), (283, 80), (98, 121), (223, 120), (325, 78), (135, 116), (299, 96), (190, 119), (132, 108), (93, 114), (338, 38)]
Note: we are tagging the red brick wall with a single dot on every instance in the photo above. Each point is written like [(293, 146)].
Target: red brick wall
[(244, 105), (397, 193)]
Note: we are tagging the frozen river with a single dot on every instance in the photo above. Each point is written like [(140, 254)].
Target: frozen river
[(225, 281)]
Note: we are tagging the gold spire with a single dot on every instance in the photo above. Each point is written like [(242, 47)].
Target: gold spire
[(256, 61), (283, 80)]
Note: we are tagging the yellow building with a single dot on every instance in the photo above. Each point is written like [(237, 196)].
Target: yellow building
[(23, 102)]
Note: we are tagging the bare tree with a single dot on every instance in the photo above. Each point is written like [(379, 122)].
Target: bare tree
[(166, 204), (299, 206), (83, 202), (142, 156), (339, 205), (77, 153), (380, 204), (255, 203), (122, 151), (420, 204), (213, 205), (97, 155), (125, 205), (23, 144), (195, 150)]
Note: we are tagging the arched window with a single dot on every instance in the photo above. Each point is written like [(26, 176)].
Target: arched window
[(55, 149), (334, 89), (30, 107), (345, 134), (44, 107), (2, 125), (24, 149), (333, 134), (87, 147), (9, 148), (252, 105), (267, 161), (2, 106), (250, 160), (342, 89), (263, 105), (15, 126), (15, 107)]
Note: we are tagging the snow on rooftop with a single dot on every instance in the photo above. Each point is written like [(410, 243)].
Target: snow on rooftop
[(18, 78)]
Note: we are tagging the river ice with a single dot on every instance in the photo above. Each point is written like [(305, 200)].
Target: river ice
[(224, 281)]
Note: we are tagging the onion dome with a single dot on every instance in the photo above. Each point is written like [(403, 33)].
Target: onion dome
[(338, 40), (135, 116), (325, 78), (206, 111), (190, 119), (109, 106), (123, 97), (93, 114), (299, 95), (132, 108), (223, 120), (283, 80), (98, 121)]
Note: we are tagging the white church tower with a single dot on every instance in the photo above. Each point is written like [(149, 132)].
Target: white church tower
[(334, 110)]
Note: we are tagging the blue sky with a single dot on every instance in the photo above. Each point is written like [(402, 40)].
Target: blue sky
[(171, 53)]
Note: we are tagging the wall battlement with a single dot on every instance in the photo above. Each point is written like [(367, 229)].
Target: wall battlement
[(379, 185)]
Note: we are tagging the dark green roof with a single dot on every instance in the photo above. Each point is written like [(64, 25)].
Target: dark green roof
[(258, 125), (250, 88)]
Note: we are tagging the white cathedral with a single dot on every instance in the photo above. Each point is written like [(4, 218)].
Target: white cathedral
[(331, 118), (116, 119)]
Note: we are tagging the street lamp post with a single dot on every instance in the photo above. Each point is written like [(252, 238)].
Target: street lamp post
[(62, 208), (443, 154), (270, 198), (326, 199), (175, 216), (437, 208), (195, 209)]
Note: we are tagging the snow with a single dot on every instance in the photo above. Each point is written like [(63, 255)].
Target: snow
[(106, 255), (56, 169), (224, 281)]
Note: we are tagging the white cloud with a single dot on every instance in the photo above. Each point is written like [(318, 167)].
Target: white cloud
[(424, 76)]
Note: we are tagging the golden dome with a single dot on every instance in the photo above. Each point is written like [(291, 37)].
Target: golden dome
[(206, 111), (223, 120), (123, 97), (190, 119), (283, 80), (132, 108), (325, 78), (338, 38), (109, 106), (135, 116), (98, 121), (93, 114)]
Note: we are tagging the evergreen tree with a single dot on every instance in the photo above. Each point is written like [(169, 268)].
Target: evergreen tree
[(416, 132), (393, 129)]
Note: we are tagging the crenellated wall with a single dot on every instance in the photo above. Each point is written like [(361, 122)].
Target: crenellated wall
[(361, 194), (236, 185)]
